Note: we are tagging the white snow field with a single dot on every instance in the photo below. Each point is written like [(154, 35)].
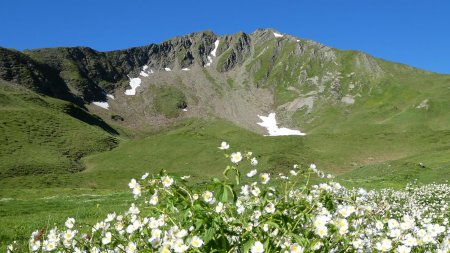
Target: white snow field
[(270, 123), (103, 105), (144, 71), (143, 74), (277, 35), (134, 83), (213, 53)]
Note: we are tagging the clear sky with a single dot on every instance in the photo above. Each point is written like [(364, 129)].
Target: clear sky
[(413, 32)]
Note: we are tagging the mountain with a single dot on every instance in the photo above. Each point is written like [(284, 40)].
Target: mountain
[(358, 106)]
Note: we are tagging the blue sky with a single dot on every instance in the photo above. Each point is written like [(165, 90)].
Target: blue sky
[(411, 32)]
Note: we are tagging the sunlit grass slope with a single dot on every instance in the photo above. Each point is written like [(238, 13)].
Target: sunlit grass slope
[(45, 136)]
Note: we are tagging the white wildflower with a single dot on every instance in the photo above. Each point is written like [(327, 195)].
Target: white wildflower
[(144, 176), (236, 157), (265, 177), (403, 249), (252, 173), (224, 145), (70, 222), (257, 247), (219, 207), (321, 231), (107, 238), (295, 248), (270, 208), (208, 197), (154, 199), (385, 245), (131, 248), (132, 184), (196, 242), (166, 181)]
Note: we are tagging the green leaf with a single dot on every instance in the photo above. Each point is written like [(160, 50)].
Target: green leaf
[(238, 178), (248, 245), (273, 224), (226, 171), (209, 235), (300, 240), (224, 194), (199, 223), (267, 244), (232, 195)]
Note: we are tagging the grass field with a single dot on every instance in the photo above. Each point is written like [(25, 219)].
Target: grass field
[(191, 148), (358, 159)]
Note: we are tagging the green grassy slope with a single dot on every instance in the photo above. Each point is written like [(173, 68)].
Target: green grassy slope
[(45, 136), (191, 149)]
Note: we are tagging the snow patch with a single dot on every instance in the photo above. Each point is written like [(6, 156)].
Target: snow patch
[(103, 105), (213, 53), (270, 123), (186, 69), (298, 40), (145, 73), (167, 69), (277, 35), (110, 96), (216, 45), (134, 83)]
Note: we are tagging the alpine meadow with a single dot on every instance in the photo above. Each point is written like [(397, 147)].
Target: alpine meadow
[(246, 142)]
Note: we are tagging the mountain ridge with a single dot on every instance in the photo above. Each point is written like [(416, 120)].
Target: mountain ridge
[(288, 67), (87, 71)]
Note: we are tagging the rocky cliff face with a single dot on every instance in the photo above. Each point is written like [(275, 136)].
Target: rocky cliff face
[(88, 72), (21, 69)]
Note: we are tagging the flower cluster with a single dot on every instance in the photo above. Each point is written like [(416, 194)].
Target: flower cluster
[(260, 212)]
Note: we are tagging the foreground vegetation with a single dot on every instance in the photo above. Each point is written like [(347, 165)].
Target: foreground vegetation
[(42, 200), (251, 210)]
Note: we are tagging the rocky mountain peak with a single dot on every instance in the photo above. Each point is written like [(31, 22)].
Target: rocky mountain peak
[(266, 58)]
